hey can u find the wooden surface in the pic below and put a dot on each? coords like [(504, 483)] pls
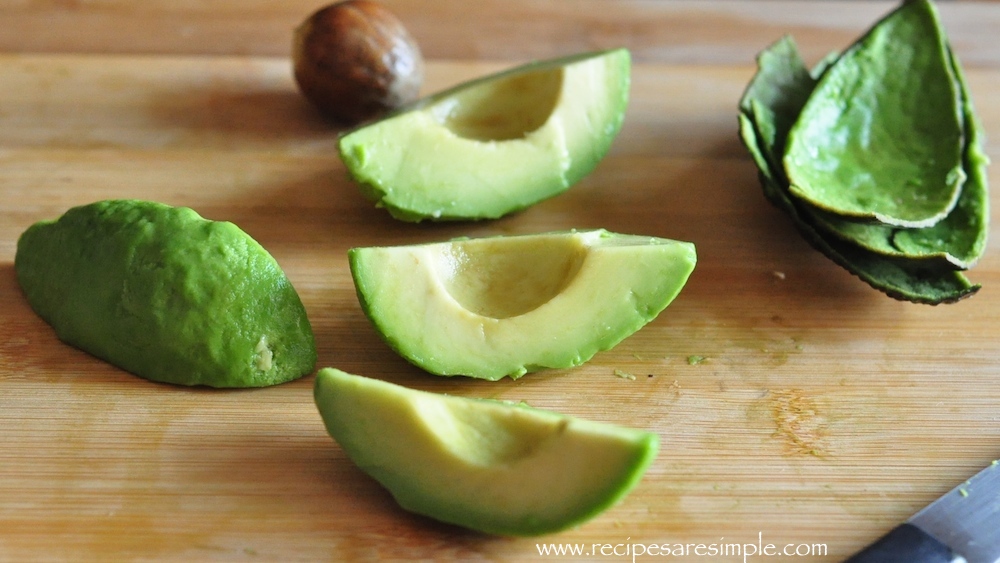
[(823, 412), (681, 31)]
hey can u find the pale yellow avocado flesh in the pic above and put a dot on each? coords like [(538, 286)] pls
[(506, 109), (508, 305), (495, 145), (491, 466), (501, 279)]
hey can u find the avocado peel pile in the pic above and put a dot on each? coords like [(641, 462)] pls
[(913, 259)]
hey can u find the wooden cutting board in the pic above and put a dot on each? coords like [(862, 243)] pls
[(820, 412)]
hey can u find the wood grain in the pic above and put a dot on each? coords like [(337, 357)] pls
[(823, 412), (670, 31)]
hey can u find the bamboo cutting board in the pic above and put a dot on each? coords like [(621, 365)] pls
[(820, 412)]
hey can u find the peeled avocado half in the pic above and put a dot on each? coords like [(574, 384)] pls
[(507, 305), (494, 145), (167, 295), (491, 466)]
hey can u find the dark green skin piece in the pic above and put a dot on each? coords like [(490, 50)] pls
[(780, 88), (958, 240), (961, 236), (899, 279), (167, 295), (881, 137), (783, 85)]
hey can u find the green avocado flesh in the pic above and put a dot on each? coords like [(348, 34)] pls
[(494, 145), (508, 305), (166, 295), (881, 135), (491, 466), (911, 263)]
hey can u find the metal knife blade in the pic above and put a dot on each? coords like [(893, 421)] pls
[(963, 525), (967, 518)]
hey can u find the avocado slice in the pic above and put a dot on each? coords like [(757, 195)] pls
[(494, 145), (165, 294), (881, 136), (768, 108), (507, 305), (491, 466)]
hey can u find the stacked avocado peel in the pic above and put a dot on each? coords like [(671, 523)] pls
[(876, 155)]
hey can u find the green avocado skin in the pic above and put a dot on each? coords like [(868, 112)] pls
[(166, 295), (769, 107), (881, 136)]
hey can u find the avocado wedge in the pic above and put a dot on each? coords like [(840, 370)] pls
[(508, 305), (493, 145), (495, 467)]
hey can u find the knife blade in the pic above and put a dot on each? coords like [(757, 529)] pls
[(962, 526)]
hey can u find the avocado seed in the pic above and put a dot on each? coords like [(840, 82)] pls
[(355, 60)]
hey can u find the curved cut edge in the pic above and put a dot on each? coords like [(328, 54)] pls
[(503, 278), (504, 437), (504, 109)]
